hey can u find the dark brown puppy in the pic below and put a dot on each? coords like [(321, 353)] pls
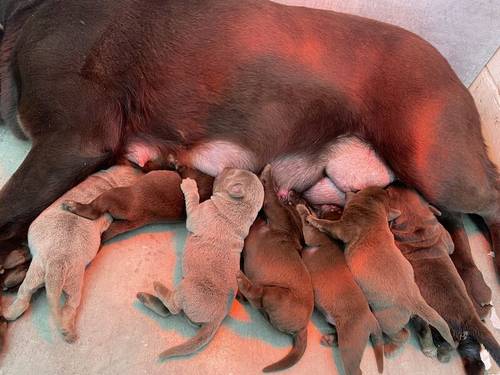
[(155, 198), (427, 245), (159, 73), (338, 297), (378, 266), (276, 280)]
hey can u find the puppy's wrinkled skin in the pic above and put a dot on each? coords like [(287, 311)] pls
[(62, 245), (218, 228), (339, 298), (154, 198), (276, 280), (378, 266), (427, 245)]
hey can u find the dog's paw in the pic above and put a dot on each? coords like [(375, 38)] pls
[(69, 206), (329, 340), (188, 185), (69, 335), (16, 258)]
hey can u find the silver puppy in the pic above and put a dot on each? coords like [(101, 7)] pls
[(211, 261)]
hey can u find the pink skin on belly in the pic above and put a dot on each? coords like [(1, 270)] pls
[(350, 164)]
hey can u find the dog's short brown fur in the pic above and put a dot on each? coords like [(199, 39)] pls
[(378, 266), (156, 197), (276, 280), (427, 245), (338, 297)]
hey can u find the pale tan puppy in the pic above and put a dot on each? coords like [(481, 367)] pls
[(382, 272), (218, 228), (62, 245)]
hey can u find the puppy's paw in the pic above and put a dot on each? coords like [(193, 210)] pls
[(69, 335), (188, 185), (69, 206), (16, 258), (14, 277), (329, 340)]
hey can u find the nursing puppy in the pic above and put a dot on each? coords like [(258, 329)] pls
[(218, 228), (276, 280), (426, 245), (62, 245), (339, 298), (379, 268), (156, 197)]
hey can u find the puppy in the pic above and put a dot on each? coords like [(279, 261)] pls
[(339, 298), (379, 268), (276, 280), (156, 197), (218, 228), (426, 245), (62, 245)]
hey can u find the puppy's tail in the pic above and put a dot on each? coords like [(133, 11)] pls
[(377, 340), (422, 309), (298, 349), (202, 338), (352, 338), (480, 332)]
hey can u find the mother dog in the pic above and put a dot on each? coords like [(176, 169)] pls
[(236, 83)]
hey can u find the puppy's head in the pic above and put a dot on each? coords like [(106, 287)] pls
[(374, 198), (417, 215), (239, 185)]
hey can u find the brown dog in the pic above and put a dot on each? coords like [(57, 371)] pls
[(339, 298), (156, 197), (382, 272), (427, 245), (276, 280)]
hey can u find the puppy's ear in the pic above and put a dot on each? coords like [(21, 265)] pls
[(434, 210), (393, 214), (236, 190)]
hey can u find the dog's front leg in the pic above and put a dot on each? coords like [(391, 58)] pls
[(52, 167)]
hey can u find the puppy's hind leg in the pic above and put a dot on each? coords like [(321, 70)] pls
[(166, 296), (424, 336), (35, 278), (251, 292), (73, 289), (444, 349), (153, 303), (396, 341)]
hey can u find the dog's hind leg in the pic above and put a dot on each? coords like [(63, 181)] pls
[(470, 352), (118, 227), (166, 296), (250, 291), (153, 303), (73, 289), (444, 349), (478, 290), (424, 336), (35, 278)]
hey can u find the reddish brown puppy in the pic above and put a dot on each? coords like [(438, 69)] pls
[(276, 280), (427, 245), (378, 266), (156, 197), (339, 298)]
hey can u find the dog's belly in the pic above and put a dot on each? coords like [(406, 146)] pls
[(349, 163)]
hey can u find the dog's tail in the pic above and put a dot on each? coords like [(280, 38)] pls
[(202, 338), (422, 309), (481, 333), (298, 349)]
